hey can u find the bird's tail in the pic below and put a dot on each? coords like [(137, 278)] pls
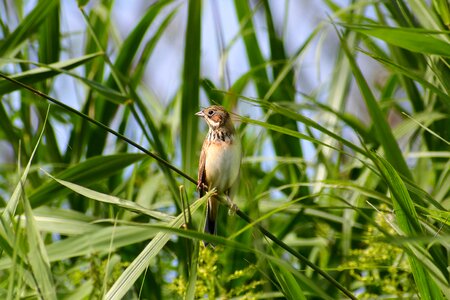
[(211, 217)]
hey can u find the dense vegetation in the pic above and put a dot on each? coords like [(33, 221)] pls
[(345, 181)]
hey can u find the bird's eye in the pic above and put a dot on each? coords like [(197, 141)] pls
[(210, 113)]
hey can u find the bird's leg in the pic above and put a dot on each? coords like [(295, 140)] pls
[(232, 207), (201, 186)]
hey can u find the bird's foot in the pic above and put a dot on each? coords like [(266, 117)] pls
[(232, 207), (201, 186)]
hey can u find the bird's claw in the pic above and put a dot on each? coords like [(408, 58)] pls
[(232, 209), (202, 187)]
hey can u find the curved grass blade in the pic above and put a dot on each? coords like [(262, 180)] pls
[(141, 262), (413, 39), (119, 73), (87, 172), (10, 208), (37, 256), (382, 130), (63, 221), (284, 145), (408, 221), (411, 74), (43, 72), (243, 247), (101, 240), (101, 125), (27, 27), (105, 198)]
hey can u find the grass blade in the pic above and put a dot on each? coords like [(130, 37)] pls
[(408, 221), (381, 127), (191, 84), (88, 172), (43, 72), (141, 262), (27, 27)]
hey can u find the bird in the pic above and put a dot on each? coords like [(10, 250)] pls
[(219, 162)]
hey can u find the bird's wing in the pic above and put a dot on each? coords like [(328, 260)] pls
[(201, 181)]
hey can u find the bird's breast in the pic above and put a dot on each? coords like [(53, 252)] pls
[(222, 164)]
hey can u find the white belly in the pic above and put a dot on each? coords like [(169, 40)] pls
[(222, 165)]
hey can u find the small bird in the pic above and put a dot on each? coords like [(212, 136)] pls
[(220, 161)]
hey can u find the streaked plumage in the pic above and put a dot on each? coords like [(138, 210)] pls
[(219, 160)]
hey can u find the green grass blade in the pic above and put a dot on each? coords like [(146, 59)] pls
[(27, 27), (101, 241), (284, 145), (191, 84), (414, 75), (119, 73), (105, 198), (382, 131), (408, 221), (49, 37), (254, 54), (37, 257), (299, 135), (413, 39), (13, 202), (141, 262), (88, 172), (150, 47), (63, 221), (290, 287), (43, 72)]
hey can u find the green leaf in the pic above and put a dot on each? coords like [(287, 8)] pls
[(63, 221), (27, 27), (49, 37), (408, 221), (43, 72), (191, 84), (119, 73), (85, 173), (290, 287), (413, 39), (100, 240), (38, 257), (141, 262), (412, 74), (126, 204), (10, 209), (382, 130)]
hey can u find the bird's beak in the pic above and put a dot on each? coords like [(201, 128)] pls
[(200, 114)]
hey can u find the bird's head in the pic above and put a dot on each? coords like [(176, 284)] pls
[(215, 116)]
